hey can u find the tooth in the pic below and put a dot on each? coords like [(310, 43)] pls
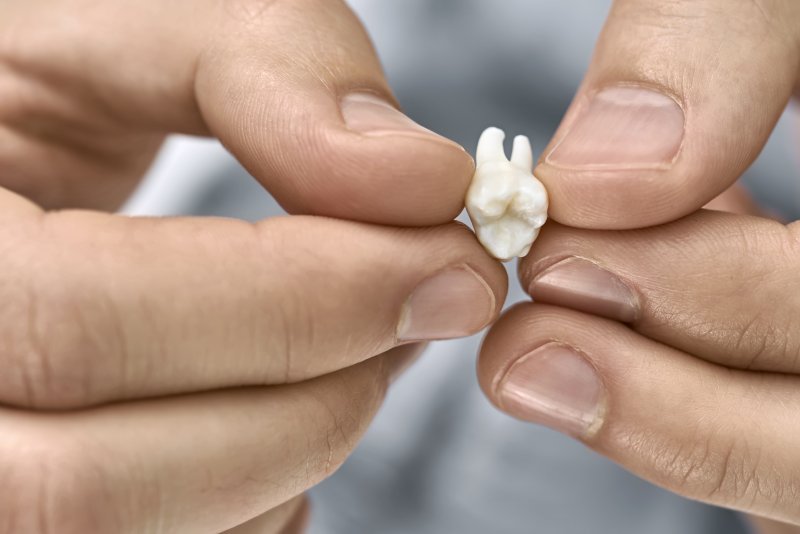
[(521, 153), (506, 203), (490, 147)]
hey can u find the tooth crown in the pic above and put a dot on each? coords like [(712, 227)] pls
[(506, 203)]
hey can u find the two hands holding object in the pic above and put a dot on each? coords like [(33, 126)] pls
[(135, 350)]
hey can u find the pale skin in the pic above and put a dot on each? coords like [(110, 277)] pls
[(199, 375)]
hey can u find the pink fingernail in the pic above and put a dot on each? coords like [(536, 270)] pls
[(624, 126), (453, 303), (371, 115), (582, 285), (554, 386)]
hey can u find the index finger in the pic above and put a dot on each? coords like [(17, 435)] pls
[(101, 308)]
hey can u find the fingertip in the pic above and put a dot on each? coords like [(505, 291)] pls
[(375, 115), (616, 161), (618, 199), (410, 177), (665, 119), (499, 348), (459, 242), (315, 122), (365, 161)]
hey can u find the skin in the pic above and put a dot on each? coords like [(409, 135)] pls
[(198, 375), (700, 389), (206, 389)]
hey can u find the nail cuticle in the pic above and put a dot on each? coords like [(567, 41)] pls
[(621, 127), (542, 265), (585, 285), (580, 416), (373, 115), (547, 265)]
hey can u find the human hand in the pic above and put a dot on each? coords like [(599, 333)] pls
[(699, 390), (696, 390), (198, 375), (679, 99), (292, 88), (188, 374)]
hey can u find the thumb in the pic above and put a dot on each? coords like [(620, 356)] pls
[(678, 101), (293, 88), (298, 95)]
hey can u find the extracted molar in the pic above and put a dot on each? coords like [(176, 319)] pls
[(506, 203)]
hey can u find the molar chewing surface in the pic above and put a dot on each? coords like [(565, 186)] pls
[(506, 203)]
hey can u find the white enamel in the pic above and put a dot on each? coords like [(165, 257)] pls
[(506, 203)]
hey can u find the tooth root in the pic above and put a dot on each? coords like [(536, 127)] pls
[(490, 147), (522, 155)]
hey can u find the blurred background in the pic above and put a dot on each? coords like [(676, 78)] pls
[(439, 458)]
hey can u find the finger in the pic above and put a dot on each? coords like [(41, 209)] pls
[(58, 175), (767, 526), (292, 88), (666, 117), (719, 286), (198, 463), (322, 130), (735, 199), (700, 430), (102, 308), (288, 518)]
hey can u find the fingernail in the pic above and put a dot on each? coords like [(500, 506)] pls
[(554, 386), (582, 285), (623, 126), (453, 303), (371, 115)]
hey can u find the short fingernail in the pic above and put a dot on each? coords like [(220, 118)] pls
[(623, 126), (554, 386), (371, 115), (582, 285), (453, 303)]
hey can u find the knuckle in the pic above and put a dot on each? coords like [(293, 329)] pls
[(297, 337), (767, 344), (48, 355), (295, 330), (740, 477), (54, 485), (683, 468), (732, 475), (26, 357), (726, 472), (346, 411), (49, 335), (330, 448), (661, 27)]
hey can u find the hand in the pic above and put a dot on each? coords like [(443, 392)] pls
[(699, 391), (198, 375), (188, 375), (291, 87), (672, 350), (678, 101)]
